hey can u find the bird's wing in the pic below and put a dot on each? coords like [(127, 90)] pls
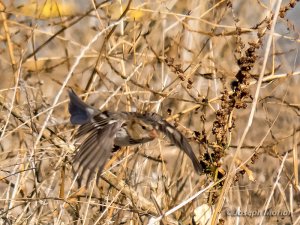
[(173, 134), (97, 121), (95, 151)]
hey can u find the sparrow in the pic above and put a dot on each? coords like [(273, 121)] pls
[(105, 129)]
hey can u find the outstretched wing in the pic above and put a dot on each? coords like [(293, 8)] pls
[(95, 151), (100, 130), (98, 121), (173, 134)]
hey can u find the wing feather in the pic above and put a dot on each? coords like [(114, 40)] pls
[(173, 134), (95, 151)]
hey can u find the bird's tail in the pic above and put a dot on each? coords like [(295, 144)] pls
[(81, 113)]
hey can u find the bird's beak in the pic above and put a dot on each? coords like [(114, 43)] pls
[(153, 133)]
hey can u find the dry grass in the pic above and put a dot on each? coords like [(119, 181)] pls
[(226, 73)]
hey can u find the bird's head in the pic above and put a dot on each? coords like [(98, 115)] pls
[(138, 129)]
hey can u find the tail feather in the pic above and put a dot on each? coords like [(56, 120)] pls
[(81, 113)]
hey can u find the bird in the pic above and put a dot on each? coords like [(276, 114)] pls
[(103, 130)]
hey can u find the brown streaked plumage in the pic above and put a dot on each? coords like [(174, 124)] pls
[(103, 130)]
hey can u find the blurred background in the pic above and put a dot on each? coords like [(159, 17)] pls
[(196, 63)]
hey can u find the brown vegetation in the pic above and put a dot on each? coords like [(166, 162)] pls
[(225, 73)]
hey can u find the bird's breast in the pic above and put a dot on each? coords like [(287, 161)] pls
[(122, 137)]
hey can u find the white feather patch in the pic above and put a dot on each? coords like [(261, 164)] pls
[(90, 111), (112, 121), (170, 129)]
